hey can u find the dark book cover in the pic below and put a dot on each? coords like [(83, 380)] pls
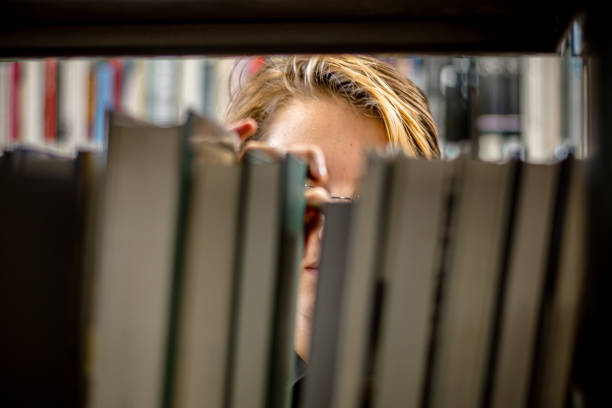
[(40, 281), (332, 275)]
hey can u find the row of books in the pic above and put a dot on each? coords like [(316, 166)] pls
[(164, 273), (460, 285), (59, 104)]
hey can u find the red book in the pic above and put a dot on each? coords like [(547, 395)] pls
[(14, 102), (91, 100), (50, 100), (117, 68)]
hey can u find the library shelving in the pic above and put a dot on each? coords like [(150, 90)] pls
[(37, 28)]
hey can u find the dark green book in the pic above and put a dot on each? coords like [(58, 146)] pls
[(291, 249)]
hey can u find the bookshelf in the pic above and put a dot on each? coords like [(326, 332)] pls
[(37, 28), (122, 27)]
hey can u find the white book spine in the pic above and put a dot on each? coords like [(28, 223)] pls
[(74, 94), (162, 91), (192, 86), (133, 98), (32, 103)]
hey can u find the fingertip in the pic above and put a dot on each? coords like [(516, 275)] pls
[(316, 197)]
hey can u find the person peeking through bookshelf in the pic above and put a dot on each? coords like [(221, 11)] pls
[(329, 111)]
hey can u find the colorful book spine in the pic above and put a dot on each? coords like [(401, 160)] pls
[(4, 104), (14, 101), (132, 97), (50, 108), (117, 66), (103, 100)]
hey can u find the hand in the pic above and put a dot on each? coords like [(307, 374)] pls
[(316, 194)]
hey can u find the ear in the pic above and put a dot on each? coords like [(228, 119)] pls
[(245, 128)]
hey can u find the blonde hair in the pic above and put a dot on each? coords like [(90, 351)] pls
[(369, 85)]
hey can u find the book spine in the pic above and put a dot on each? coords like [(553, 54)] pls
[(192, 74), (91, 100), (292, 243), (4, 103), (14, 101), (50, 107), (104, 100), (117, 67), (162, 94), (32, 103)]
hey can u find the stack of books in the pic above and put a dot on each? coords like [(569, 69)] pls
[(164, 271)]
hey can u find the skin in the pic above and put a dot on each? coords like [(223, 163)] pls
[(333, 139)]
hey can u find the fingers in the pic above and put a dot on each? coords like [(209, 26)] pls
[(312, 156), (316, 197), (272, 151)]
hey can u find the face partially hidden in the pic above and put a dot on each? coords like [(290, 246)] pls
[(344, 136)]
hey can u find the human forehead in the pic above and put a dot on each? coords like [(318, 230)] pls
[(327, 122), (343, 134)]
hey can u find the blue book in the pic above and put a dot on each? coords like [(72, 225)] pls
[(104, 99)]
